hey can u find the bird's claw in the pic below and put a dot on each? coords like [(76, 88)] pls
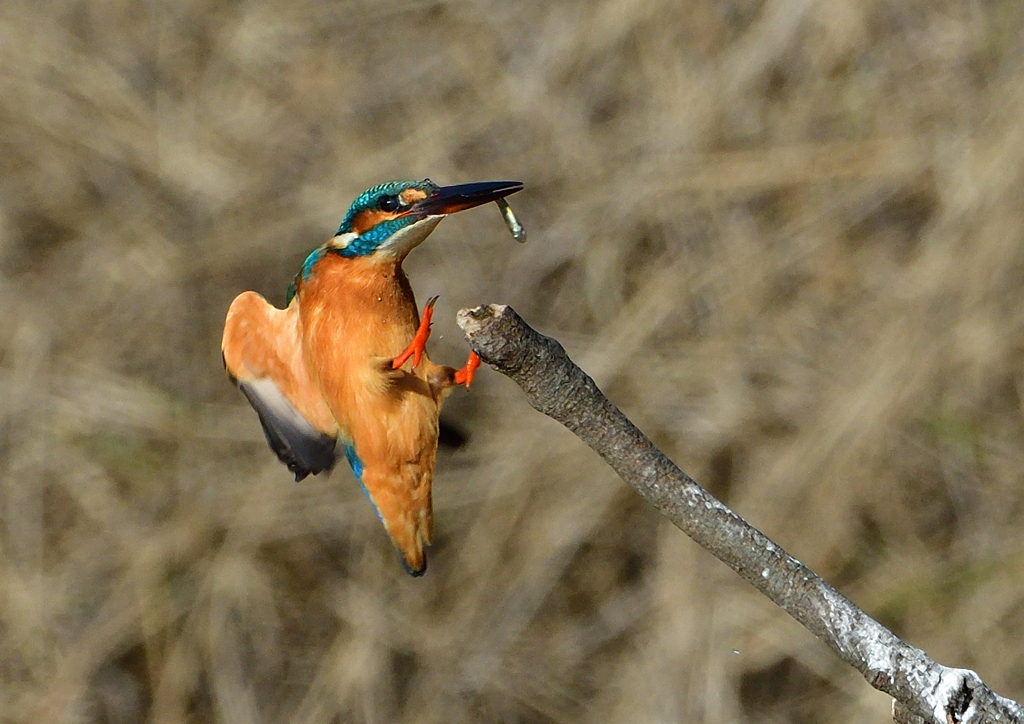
[(465, 374), (419, 341)]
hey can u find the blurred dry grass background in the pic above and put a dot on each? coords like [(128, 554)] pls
[(784, 236)]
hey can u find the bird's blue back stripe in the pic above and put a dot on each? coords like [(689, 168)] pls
[(357, 468), (353, 460), (311, 260)]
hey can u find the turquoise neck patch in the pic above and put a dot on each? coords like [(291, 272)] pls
[(307, 269), (372, 239)]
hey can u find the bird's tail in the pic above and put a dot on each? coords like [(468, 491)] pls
[(404, 506)]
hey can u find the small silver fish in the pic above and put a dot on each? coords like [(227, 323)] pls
[(514, 227)]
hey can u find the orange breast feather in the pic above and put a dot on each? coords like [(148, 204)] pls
[(357, 315)]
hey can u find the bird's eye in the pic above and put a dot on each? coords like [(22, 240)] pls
[(388, 203)]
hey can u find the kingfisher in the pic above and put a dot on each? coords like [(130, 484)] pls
[(342, 370)]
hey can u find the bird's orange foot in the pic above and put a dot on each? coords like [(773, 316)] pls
[(465, 375), (419, 341)]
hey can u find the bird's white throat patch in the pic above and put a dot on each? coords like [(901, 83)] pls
[(341, 241), (408, 238)]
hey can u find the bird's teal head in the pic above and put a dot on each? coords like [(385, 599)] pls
[(391, 219), (395, 217)]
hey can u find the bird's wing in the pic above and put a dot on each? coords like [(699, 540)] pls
[(263, 354)]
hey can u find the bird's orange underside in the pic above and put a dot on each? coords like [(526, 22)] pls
[(357, 315)]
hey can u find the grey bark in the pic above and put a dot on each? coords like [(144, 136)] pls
[(923, 690)]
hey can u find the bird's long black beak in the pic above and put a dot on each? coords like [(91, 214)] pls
[(449, 199)]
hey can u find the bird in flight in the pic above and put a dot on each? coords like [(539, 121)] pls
[(342, 370)]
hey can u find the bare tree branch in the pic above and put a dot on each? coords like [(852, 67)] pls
[(924, 691)]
